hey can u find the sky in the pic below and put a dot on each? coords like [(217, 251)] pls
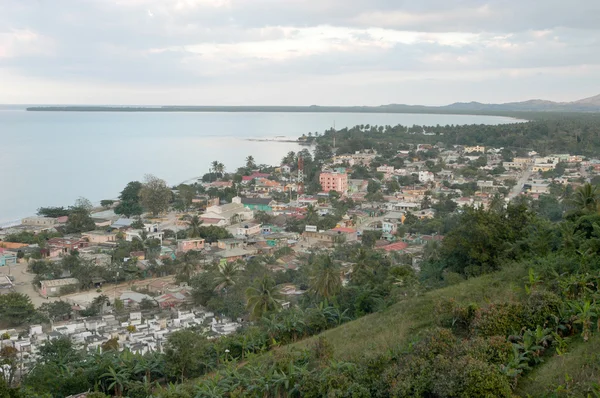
[(297, 52)]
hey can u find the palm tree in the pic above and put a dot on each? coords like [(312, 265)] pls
[(325, 279), (187, 268), (250, 162), (214, 166), (194, 224), (263, 297), (586, 198), (227, 276), (311, 215), (220, 168), (117, 380)]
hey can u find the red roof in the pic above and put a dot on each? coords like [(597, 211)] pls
[(344, 229), (247, 178), (395, 247)]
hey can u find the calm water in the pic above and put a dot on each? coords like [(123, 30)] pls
[(52, 158)]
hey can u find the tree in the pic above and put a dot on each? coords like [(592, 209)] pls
[(57, 311), (117, 379), (188, 354), (263, 217), (194, 227), (586, 198), (107, 203), (52, 212), (227, 276), (129, 200), (325, 277), (16, 308), (79, 217), (250, 163), (155, 195), (263, 297), (369, 238), (186, 195)]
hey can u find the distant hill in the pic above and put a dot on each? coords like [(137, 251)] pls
[(591, 104)]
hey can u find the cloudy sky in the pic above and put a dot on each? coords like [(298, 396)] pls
[(297, 52)]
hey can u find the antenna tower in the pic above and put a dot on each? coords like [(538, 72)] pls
[(300, 175)]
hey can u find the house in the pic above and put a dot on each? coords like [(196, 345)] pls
[(476, 148), (334, 182), (265, 185), (395, 247), (424, 214), (53, 287), (261, 204), (100, 236), (248, 229), (286, 169), (186, 245), (7, 258), (170, 300), (426, 176), (66, 245), (349, 234), (39, 221), (539, 188), (140, 233), (228, 214)]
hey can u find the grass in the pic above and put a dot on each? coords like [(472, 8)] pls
[(377, 333), (573, 373)]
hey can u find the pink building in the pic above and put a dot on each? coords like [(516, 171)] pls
[(334, 182), (190, 244)]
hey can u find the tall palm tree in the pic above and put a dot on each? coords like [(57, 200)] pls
[(188, 268), (311, 215), (117, 380), (263, 297), (194, 227), (214, 166), (227, 276), (586, 198), (250, 163), (325, 278)]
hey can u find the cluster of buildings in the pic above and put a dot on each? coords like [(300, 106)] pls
[(139, 333)]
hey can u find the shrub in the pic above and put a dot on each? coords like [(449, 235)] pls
[(468, 377), (450, 314), (542, 308), (494, 349), (499, 319)]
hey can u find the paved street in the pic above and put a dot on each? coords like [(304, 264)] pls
[(517, 188)]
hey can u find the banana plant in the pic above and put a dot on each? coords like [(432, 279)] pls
[(585, 313)]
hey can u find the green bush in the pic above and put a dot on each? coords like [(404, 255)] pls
[(469, 378), (450, 314), (499, 320), (542, 308)]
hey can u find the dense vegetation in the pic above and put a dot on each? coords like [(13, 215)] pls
[(546, 133)]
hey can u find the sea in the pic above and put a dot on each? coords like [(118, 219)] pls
[(53, 158)]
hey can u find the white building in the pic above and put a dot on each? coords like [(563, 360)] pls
[(426, 176), (477, 148), (231, 213)]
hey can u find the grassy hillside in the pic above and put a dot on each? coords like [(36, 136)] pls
[(573, 373), (376, 333)]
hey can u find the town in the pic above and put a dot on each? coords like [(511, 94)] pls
[(121, 275)]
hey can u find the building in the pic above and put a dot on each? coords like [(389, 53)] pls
[(334, 182), (53, 287), (476, 148), (139, 233), (260, 204), (190, 244), (228, 214), (248, 229), (100, 236), (7, 258), (66, 245), (39, 221), (426, 176)]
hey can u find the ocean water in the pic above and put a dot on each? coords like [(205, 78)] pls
[(52, 158)]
